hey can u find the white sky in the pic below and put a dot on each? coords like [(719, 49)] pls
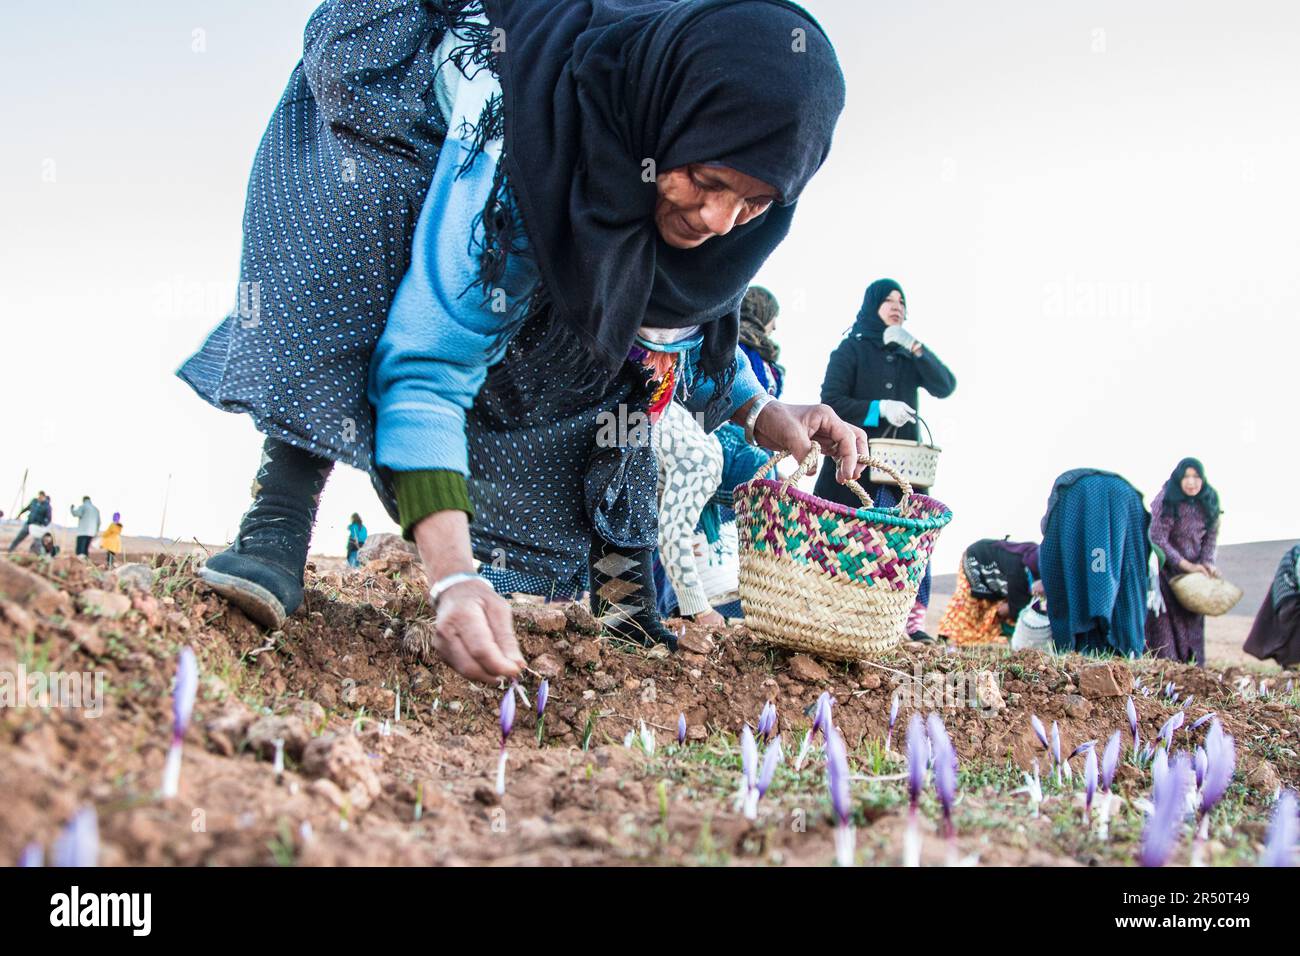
[(1092, 208)]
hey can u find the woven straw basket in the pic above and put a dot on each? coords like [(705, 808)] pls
[(914, 461), (1202, 594), (817, 576)]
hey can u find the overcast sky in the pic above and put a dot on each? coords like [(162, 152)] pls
[(1091, 206)]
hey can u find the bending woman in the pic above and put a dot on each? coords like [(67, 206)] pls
[(995, 580), (1184, 530), (547, 250), (1276, 631), (1094, 563)]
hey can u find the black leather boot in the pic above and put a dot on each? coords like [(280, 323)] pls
[(261, 573)]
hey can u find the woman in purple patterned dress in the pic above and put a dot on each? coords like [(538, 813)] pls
[(1185, 528)]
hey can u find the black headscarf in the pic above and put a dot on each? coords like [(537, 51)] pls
[(758, 309), (869, 323), (593, 88), (1208, 499)]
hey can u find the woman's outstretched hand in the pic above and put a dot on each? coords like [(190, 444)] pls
[(793, 429), (474, 631)]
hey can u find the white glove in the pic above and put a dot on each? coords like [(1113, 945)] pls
[(897, 414), (897, 335)]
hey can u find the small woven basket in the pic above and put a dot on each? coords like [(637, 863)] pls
[(918, 463), (834, 581), (1202, 594)]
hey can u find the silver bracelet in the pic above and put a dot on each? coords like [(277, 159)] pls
[(751, 419), (442, 584)]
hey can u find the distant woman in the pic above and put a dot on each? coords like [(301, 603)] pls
[(1185, 532), (356, 538), (872, 380), (1094, 563), (1276, 631), (995, 580)]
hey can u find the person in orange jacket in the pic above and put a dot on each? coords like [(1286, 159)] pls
[(111, 539)]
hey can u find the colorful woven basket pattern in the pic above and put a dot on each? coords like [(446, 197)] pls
[(821, 577)]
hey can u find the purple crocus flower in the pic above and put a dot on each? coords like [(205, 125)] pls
[(1220, 763), (187, 683), (748, 757), (1159, 767), (1160, 835), (1171, 726), (1040, 731), (507, 724), (1109, 761), (1200, 722), (543, 692), (1056, 744), (893, 716), (771, 760), (945, 769), (1199, 761), (822, 716), (1279, 850), (1132, 722), (33, 856), (78, 844), (837, 781), (917, 755), (507, 714), (1089, 782), (681, 729), (767, 721), (1082, 748)]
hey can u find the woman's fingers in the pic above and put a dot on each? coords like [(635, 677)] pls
[(451, 648), (502, 621)]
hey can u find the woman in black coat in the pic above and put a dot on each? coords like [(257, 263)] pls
[(872, 380)]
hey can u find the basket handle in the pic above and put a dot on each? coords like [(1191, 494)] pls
[(893, 430), (811, 459)]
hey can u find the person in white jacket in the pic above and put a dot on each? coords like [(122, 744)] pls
[(87, 516)]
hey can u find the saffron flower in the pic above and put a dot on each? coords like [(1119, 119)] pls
[(1082, 748), (1034, 787), (507, 724), (1132, 723), (837, 782), (681, 729), (1089, 784), (1201, 721), (78, 844), (749, 772), (1220, 762), (771, 760), (1170, 726), (1279, 850), (945, 778), (1040, 731), (821, 720), (543, 694), (187, 683), (1056, 751), (1160, 836), (33, 855), (918, 752), (1109, 762), (766, 721), (893, 716)]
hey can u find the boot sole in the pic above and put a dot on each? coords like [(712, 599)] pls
[(254, 600)]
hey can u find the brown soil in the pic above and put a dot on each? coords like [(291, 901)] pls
[(326, 683)]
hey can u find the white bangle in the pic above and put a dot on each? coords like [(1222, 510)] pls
[(760, 403), (442, 584)]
